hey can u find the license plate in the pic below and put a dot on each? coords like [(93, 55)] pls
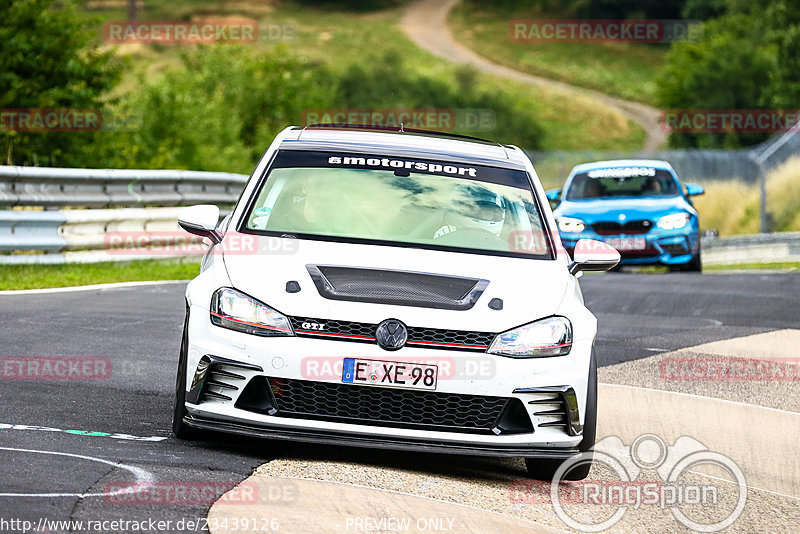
[(385, 373), (627, 243)]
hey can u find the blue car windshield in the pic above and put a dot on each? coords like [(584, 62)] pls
[(622, 182)]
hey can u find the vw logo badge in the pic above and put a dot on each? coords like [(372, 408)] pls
[(391, 334)]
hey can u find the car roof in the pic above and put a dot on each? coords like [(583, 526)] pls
[(404, 144), (612, 164)]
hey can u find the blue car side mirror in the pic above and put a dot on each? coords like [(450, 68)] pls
[(553, 194), (693, 190)]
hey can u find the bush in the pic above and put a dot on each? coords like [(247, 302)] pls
[(48, 60), (226, 104), (219, 111), (748, 58)]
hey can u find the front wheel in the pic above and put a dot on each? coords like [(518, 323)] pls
[(179, 428), (544, 469), (695, 265)]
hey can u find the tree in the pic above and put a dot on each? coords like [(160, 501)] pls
[(749, 58), (48, 59), (727, 69)]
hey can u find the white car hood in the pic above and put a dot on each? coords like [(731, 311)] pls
[(530, 289)]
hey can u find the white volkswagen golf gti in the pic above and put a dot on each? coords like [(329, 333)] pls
[(394, 289)]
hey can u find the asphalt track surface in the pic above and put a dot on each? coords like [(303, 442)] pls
[(138, 330)]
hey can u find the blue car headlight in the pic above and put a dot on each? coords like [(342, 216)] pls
[(570, 225), (237, 311), (547, 337), (673, 221)]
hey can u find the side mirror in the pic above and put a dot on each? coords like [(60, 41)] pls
[(201, 220), (693, 190), (553, 195), (593, 255)]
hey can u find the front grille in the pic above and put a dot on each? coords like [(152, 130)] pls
[(615, 228), (644, 253), (387, 407), (436, 338)]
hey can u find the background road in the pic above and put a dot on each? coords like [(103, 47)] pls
[(138, 329), (425, 23)]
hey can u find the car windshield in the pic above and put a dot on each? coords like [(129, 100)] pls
[(622, 182), (435, 205)]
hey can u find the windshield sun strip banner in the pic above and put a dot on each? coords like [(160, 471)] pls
[(622, 172), (401, 165)]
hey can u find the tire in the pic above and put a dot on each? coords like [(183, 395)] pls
[(695, 265), (179, 428), (544, 469)]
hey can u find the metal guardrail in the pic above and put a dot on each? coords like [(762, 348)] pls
[(87, 235), (94, 235), (137, 233), (756, 248), (99, 188)]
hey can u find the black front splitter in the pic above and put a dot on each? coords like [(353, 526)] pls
[(402, 444)]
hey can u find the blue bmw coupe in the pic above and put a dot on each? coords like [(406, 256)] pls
[(637, 206)]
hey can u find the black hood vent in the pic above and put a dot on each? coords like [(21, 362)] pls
[(403, 288)]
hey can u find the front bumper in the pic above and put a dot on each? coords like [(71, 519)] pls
[(529, 383), (664, 247)]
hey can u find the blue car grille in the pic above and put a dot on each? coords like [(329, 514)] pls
[(629, 227)]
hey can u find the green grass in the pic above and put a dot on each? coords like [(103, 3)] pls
[(783, 266), (778, 266), (627, 70), (79, 274), (340, 38)]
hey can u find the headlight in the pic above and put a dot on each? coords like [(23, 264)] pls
[(548, 337), (570, 225), (236, 311), (673, 221)]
